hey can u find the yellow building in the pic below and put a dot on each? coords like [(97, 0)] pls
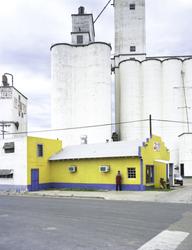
[(39, 150), (32, 163), (24, 163), (95, 166)]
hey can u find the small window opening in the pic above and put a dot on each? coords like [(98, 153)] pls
[(39, 150), (6, 173), (132, 6), (79, 39), (132, 48), (131, 173)]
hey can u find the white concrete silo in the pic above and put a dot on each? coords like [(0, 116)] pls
[(81, 84), (81, 93), (172, 104), (151, 74), (129, 43), (187, 69), (130, 101)]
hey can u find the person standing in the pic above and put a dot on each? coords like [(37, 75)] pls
[(118, 181)]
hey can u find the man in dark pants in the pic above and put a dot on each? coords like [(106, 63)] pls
[(118, 181)]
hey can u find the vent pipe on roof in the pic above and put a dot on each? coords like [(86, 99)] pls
[(84, 139)]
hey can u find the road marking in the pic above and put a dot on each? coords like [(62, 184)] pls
[(165, 240)]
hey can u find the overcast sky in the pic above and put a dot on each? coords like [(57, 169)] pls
[(29, 27)]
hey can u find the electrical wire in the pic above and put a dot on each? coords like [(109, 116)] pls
[(96, 126), (74, 128), (102, 11)]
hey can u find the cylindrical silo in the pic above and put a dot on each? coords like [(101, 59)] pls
[(130, 99), (172, 104), (151, 75), (81, 91), (187, 69)]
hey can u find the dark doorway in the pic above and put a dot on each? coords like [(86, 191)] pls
[(182, 170)]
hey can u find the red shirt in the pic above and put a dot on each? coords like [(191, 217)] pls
[(118, 179)]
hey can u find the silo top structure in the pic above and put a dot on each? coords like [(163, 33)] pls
[(130, 29), (82, 27), (81, 85)]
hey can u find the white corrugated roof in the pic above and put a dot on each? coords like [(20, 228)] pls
[(104, 150)]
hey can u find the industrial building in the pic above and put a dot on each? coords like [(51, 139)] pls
[(157, 86), (13, 115), (81, 103)]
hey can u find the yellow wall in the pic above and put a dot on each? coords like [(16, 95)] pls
[(160, 172), (88, 171), (50, 147), (149, 156)]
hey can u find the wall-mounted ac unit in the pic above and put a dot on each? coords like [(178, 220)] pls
[(104, 169), (72, 169)]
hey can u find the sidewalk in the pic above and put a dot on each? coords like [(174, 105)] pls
[(104, 195), (179, 194)]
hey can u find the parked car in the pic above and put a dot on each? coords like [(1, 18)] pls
[(178, 179)]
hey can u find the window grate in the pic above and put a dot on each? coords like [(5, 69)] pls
[(131, 173)]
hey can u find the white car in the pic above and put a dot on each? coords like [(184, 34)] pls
[(178, 179)]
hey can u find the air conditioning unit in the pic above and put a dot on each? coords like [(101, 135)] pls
[(72, 169), (104, 169)]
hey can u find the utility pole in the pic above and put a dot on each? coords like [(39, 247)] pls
[(150, 126)]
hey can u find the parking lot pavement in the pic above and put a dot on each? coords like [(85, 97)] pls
[(178, 194)]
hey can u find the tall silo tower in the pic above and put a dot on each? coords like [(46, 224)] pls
[(129, 29), (129, 46), (81, 84)]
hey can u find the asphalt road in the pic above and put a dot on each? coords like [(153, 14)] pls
[(41, 223)]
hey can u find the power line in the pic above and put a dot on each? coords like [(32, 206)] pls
[(102, 11), (172, 121), (74, 128), (96, 126)]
